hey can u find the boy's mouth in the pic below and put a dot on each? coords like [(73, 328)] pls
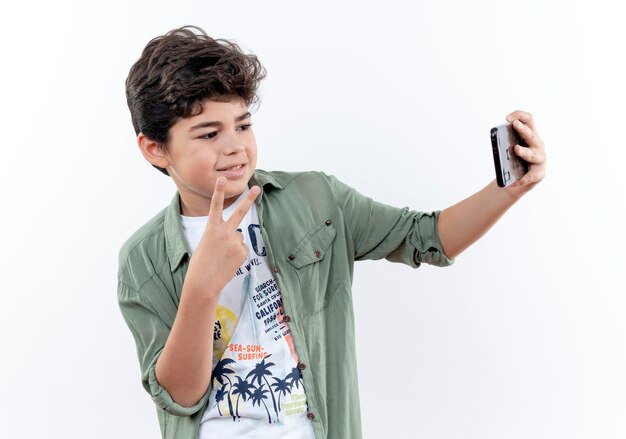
[(233, 167), (234, 171)]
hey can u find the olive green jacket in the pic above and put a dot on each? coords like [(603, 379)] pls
[(314, 228)]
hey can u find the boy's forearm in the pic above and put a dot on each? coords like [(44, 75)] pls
[(464, 223), (185, 364)]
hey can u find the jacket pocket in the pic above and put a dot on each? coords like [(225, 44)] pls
[(312, 260)]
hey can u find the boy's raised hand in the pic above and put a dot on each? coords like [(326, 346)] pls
[(221, 250), (534, 153)]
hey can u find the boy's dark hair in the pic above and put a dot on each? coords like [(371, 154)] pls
[(180, 69)]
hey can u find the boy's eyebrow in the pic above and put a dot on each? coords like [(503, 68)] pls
[(218, 123)]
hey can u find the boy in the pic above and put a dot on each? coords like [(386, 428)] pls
[(238, 294)]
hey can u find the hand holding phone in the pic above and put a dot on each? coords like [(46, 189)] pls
[(509, 166)]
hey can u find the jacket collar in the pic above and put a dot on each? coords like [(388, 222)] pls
[(175, 243)]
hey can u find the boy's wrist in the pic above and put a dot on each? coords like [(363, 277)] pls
[(204, 293), (504, 196)]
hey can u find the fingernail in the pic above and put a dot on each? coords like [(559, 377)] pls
[(221, 180), (509, 117), (255, 190)]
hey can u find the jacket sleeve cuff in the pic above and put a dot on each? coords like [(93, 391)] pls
[(163, 399), (427, 243)]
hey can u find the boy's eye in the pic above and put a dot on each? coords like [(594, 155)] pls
[(209, 135), (214, 133)]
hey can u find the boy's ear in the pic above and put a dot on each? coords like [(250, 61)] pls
[(151, 151)]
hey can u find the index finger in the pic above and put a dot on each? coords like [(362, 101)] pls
[(217, 201), (529, 136), (243, 207), (524, 116)]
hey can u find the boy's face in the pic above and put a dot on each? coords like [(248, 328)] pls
[(207, 146)]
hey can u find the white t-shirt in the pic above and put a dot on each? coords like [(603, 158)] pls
[(257, 386)]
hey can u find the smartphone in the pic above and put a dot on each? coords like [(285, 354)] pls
[(509, 166)]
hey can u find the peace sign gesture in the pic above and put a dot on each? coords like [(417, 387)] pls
[(221, 250)]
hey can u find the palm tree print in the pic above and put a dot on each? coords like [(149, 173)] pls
[(219, 397), (258, 373), (281, 387), (257, 398), (295, 376), (242, 387), (220, 373)]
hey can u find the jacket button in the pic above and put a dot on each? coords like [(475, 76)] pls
[(317, 254), (291, 257), (301, 366), (276, 269), (328, 222), (286, 318), (310, 415)]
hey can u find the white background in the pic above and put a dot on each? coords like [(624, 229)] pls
[(524, 337)]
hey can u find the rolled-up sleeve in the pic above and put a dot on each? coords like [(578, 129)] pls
[(383, 231), (150, 333)]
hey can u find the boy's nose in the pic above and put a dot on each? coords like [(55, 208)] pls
[(234, 148), (233, 145)]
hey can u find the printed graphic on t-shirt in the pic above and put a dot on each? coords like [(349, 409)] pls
[(279, 392), (258, 388), (233, 390), (223, 329)]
